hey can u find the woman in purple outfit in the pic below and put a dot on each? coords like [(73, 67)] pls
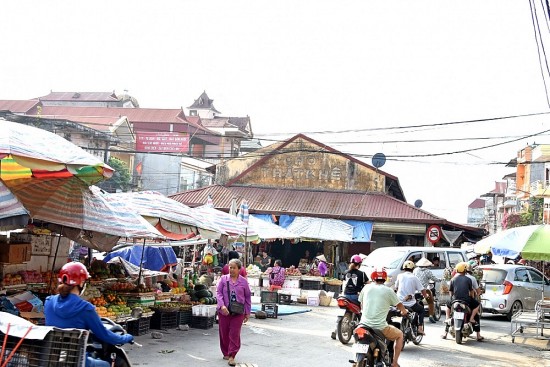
[(232, 287)]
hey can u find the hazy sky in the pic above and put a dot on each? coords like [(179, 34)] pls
[(338, 71)]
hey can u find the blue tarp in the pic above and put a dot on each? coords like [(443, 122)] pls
[(286, 220), (154, 258)]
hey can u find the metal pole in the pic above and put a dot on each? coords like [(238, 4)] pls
[(55, 257), (141, 262)]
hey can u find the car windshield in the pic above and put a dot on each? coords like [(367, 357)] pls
[(385, 258), (493, 276)]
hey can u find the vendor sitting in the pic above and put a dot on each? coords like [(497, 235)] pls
[(276, 276), (323, 265)]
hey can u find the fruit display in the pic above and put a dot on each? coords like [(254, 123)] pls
[(122, 286), (99, 270), (293, 271), (253, 270)]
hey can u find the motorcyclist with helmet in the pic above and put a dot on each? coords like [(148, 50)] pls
[(376, 300), (68, 310), (462, 288), (407, 284), (425, 275), (354, 279)]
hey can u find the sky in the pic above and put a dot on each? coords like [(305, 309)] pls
[(406, 79)]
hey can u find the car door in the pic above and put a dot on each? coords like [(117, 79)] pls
[(539, 283), (523, 289)]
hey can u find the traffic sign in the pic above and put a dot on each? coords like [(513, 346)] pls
[(433, 234)]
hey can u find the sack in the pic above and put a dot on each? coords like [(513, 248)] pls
[(236, 308)]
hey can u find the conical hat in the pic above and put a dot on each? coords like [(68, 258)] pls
[(424, 262), (322, 258)]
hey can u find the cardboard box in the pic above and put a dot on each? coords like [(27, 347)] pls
[(15, 253)]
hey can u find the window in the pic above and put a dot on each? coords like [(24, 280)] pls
[(437, 255), (522, 275), (415, 256), (536, 277), (455, 258)]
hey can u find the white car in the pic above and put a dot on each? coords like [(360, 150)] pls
[(512, 288)]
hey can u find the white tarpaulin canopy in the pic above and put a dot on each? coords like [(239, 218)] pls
[(324, 229), (269, 230)]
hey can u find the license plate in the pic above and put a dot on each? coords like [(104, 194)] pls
[(360, 348), (459, 315)]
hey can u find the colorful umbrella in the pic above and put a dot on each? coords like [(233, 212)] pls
[(223, 222), (72, 203), (531, 242), (160, 210), (28, 152)]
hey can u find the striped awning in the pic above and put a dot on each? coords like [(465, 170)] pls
[(224, 222)]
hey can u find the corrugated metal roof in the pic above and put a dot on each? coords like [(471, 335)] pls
[(17, 106), (81, 96), (315, 203)]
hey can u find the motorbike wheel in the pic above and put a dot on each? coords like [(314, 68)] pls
[(344, 329), (437, 311), (458, 336)]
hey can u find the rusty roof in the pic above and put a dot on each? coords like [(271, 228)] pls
[(18, 106), (315, 203), (81, 96)]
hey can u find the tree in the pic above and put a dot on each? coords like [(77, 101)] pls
[(526, 218), (121, 179)]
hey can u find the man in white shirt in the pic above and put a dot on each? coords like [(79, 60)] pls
[(407, 284)]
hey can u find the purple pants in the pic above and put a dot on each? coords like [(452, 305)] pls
[(230, 334)]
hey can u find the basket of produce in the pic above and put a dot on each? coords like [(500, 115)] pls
[(333, 281)]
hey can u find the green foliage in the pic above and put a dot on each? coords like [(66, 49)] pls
[(121, 179), (533, 215)]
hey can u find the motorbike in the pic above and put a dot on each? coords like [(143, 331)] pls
[(114, 354), (409, 324), (459, 328), (437, 305), (347, 322), (371, 348)]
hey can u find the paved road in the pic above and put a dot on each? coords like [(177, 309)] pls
[(304, 340)]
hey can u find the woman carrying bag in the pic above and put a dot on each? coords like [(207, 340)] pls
[(234, 303)]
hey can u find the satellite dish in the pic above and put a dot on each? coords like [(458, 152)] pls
[(378, 160), (418, 203)]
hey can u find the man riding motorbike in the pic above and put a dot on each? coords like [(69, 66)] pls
[(67, 310), (425, 275), (407, 285), (376, 300), (462, 288)]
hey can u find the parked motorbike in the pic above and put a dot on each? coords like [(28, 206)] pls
[(437, 305), (114, 354), (459, 328), (347, 322), (371, 348)]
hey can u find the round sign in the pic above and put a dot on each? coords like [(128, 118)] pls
[(378, 160), (433, 233)]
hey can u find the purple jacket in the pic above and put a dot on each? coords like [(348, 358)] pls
[(241, 289)]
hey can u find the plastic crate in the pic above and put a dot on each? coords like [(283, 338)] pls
[(271, 309), (164, 320), (313, 285), (184, 317), (139, 327), (60, 348), (285, 299), (269, 297), (202, 322), (333, 288)]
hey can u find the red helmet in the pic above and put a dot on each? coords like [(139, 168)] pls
[(73, 274), (379, 275), (356, 259)]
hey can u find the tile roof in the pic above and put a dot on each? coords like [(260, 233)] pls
[(315, 203), (18, 106), (81, 96), (477, 203)]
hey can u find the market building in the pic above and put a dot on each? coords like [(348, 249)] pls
[(303, 178)]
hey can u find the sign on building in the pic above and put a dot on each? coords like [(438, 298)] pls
[(162, 142)]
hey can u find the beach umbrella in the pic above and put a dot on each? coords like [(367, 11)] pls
[(531, 242)]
